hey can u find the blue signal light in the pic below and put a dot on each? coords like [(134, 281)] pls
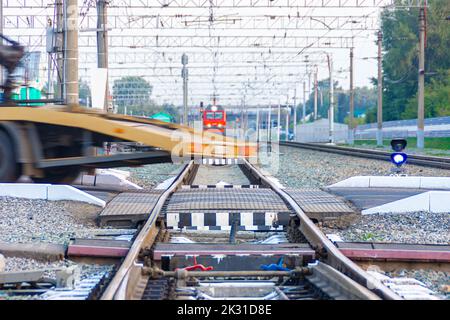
[(399, 158)]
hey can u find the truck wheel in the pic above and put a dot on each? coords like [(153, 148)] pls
[(9, 168)]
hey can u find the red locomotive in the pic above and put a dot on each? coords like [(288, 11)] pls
[(214, 119)]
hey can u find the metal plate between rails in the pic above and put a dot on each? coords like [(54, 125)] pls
[(226, 199), (132, 203), (318, 201)]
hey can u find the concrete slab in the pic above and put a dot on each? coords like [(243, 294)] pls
[(365, 198), (420, 202), (47, 192), (24, 190), (115, 179), (87, 180), (394, 182), (408, 182), (435, 183), (353, 182), (439, 201), (125, 174), (63, 192), (431, 201)]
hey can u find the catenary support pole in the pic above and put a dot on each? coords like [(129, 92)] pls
[(279, 121), (351, 124), (102, 45), (331, 110), (71, 52), (421, 86), (380, 94), (60, 49), (315, 93), (1, 39), (295, 114), (185, 75)]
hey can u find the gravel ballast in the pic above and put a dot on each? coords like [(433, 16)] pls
[(149, 176), (416, 228), (302, 168), (230, 174), (24, 220)]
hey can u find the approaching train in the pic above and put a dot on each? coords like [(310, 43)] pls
[(214, 119)]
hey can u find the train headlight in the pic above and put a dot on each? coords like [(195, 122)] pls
[(219, 125), (209, 125), (398, 158), (214, 108)]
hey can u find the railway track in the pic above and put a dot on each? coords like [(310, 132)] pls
[(427, 161), (161, 266)]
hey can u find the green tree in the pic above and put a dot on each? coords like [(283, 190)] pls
[(84, 93), (133, 93), (400, 61)]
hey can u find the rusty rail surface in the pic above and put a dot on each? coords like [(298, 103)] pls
[(117, 287)]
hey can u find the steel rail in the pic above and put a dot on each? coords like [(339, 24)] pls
[(427, 161), (117, 287), (325, 248)]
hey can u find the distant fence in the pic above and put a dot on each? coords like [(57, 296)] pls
[(319, 132), (401, 134), (441, 129)]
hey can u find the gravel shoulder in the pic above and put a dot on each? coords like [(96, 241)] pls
[(149, 176), (24, 220), (418, 227), (302, 168), (232, 174)]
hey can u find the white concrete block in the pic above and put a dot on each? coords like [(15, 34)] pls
[(88, 180), (439, 201), (114, 179), (107, 180), (63, 192), (435, 183), (24, 190), (130, 185), (2, 263), (353, 182), (394, 182), (419, 202), (120, 173)]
